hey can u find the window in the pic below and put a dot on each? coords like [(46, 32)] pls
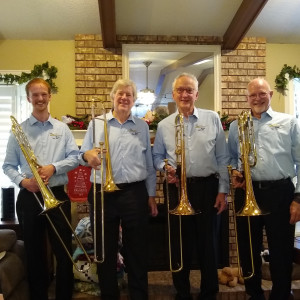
[(13, 101), (292, 106), (296, 83), (292, 98), (296, 93)]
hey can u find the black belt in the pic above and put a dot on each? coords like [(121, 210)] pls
[(123, 186), (57, 188), (267, 184), (199, 179)]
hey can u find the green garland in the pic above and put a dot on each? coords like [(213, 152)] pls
[(38, 71), (281, 81)]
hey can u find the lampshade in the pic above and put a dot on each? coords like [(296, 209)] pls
[(146, 96)]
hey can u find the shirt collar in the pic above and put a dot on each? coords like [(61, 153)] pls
[(269, 112), (110, 116), (33, 120), (195, 113)]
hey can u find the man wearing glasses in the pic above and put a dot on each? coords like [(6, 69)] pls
[(206, 160), (277, 141)]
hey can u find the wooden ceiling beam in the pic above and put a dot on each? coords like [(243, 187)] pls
[(241, 22), (108, 23)]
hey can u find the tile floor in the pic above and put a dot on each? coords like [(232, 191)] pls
[(161, 288)]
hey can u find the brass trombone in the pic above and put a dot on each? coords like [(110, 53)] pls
[(107, 186), (50, 202), (184, 207), (248, 160)]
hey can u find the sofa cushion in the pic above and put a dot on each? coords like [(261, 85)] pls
[(11, 273), (19, 249), (8, 238), (267, 276)]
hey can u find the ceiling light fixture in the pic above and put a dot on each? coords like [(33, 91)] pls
[(146, 96)]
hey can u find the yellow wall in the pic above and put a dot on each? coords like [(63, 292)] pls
[(206, 93), (23, 55), (276, 56)]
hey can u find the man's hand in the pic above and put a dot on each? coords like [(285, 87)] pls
[(171, 174), (93, 158), (30, 184), (238, 180), (294, 212), (152, 206), (221, 202), (46, 172)]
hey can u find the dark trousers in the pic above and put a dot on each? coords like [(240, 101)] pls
[(35, 227), (198, 234), (274, 200), (128, 208)]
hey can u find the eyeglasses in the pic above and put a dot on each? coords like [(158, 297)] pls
[(188, 90), (259, 95)]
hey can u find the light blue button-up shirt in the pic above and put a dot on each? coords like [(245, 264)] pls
[(277, 141), (129, 148), (205, 146), (52, 143)]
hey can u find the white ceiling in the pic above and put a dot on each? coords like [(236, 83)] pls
[(279, 20)]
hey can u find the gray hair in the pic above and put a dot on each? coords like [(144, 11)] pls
[(123, 83), (192, 76)]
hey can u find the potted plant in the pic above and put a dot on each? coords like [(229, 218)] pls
[(152, 118), (281, 81)]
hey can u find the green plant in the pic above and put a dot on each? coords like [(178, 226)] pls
[(43, 70), (281, 81), (152, 118)]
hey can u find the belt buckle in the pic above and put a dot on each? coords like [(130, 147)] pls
[(264, 185)]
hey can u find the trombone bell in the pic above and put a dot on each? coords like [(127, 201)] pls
[(183, 209), (110, 186), (250, 209), (50, 204)]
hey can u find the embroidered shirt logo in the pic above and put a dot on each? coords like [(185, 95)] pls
[(55, 136), (275, 126), (133, 132), (199, 127)]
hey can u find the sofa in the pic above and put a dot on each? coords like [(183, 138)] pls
[(13, 283)]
